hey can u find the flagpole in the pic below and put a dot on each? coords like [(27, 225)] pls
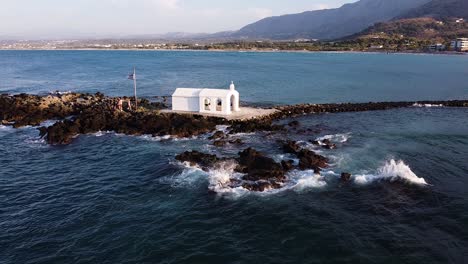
[(135, 86)]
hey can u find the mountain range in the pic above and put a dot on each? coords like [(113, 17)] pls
[(354, 20), (329, 23), (437, 20), (348, 20), (421, 28), (440, 9)]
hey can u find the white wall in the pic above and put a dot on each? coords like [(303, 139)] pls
[(190, 104), (225, 110)]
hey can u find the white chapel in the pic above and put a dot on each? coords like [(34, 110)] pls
[(214, 101)]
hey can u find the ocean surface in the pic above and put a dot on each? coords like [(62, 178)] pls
[(111, 198)]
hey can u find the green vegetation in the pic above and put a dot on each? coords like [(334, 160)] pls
[(419, 28)]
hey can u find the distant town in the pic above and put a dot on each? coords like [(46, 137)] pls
[(403, 45), (374, 44)]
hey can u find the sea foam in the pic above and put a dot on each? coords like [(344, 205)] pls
[(220, 178), (5, 128), (392, 170), (303, 180), (427, 105), (340, 138)]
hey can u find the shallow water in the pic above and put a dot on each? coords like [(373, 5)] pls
[(109, 198)]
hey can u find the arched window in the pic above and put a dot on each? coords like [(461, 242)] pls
[(234, 102), (219, 105), (233, 99), (207, 104)]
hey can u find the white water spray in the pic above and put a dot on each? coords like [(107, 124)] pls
[(392, 170)]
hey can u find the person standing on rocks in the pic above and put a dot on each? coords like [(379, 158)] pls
[(120, 104), (129, 103)]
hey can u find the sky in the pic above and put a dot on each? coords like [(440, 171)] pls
[(113, 18)]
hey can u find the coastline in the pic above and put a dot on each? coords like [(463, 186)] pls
[(451, 53)]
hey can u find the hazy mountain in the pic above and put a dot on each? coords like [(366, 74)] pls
[(440, 9), (328, 23)]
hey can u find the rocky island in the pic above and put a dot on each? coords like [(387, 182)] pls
[(77, 114), (89, 113)]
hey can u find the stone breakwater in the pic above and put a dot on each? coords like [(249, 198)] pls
[(303, 109), (90, 113)]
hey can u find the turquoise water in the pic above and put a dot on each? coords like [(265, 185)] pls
[(280, 78), (109, 198)]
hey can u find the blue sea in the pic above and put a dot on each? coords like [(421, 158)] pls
[(112, 198)]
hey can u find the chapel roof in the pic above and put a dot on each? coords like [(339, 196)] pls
[(215, 92), (201, 92), (187, 92)]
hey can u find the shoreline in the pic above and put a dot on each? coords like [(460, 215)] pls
[(450, 53)]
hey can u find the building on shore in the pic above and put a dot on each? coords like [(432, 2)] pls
[(459, 44), (203, 100), (376, 47), (436, 47)]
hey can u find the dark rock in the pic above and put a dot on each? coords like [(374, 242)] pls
[(236, 142), (254, 125), (217, 135), (42, 131), (315, 142), (260, 186), (291, 147), (62, 132), (294, 123), (310, 160), (287, 165), (220, 143), (262, 173), (205, 161), (259, 167), (98, 112), (329, 146), (345, 177)]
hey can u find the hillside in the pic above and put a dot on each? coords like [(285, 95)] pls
[(329, 23), (440, 9), (424, 28)]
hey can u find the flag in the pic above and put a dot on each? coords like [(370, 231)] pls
[(131, 76)]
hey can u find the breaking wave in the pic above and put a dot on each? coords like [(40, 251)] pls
[(427, 105), (302, 180), (57, 92), (340, 138), (164, 138), (36, 141), (223, 128), (223, 180), (393, 171), (221, 177), (48, 123), (102, 133), (6, 128)]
